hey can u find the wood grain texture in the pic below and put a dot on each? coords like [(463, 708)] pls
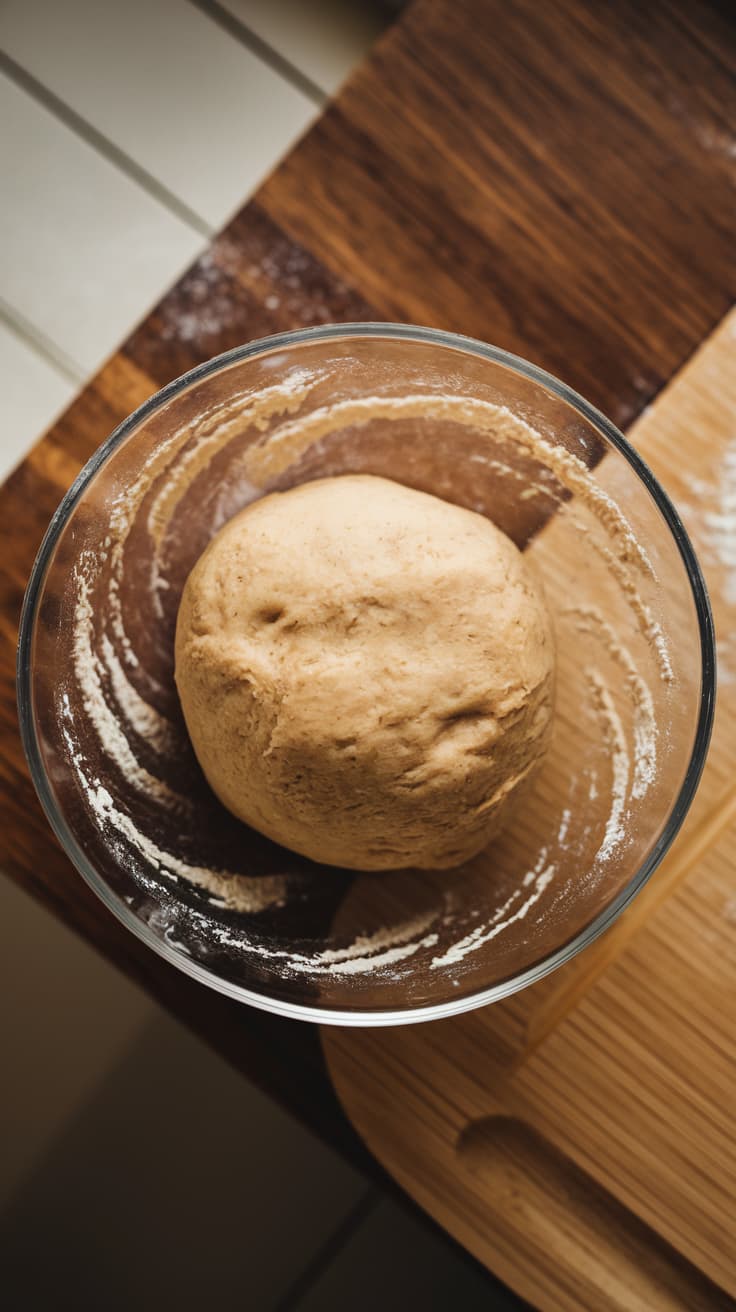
[(548, 177), (556, 179), (579, 1138)]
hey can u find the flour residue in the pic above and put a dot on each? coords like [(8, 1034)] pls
[(117, 712), (589, 619), (716, 516), (624, 555), (240, 415), (564, 827), (237, 892), (292, 439), (720, 523), (712, 521), (107, 725), (649, 627), (537, 880), (367, 952), (615, 738), (143, 718), (118, 690)]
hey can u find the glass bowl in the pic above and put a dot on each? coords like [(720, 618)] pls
[(105, 739)]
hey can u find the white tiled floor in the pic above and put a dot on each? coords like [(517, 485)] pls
[(130, 132), (298, 32), (168, 87), (33, 392), (84, 249)]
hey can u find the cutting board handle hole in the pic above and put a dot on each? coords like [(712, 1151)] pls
[(545, 1202)]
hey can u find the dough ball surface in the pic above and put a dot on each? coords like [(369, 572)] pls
[(366, 673)]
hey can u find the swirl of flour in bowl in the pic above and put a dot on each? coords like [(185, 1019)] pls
[(589, 619), (116, 710), (113, 678)]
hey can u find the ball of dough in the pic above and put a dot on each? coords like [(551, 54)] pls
[(366, 672)]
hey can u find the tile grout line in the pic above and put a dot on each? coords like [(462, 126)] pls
[(218, 14), (114, 155), (333, 1245), (53, 355)]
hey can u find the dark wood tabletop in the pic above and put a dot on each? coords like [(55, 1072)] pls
[(558, 179)]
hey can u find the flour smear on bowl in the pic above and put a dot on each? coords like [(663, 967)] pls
[(113, 708)]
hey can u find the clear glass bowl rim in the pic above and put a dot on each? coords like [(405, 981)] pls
[(433, 337)]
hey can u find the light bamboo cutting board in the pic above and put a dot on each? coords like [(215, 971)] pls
[(580, 1138)]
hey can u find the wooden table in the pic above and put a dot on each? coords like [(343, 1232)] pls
[(557, 179)]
